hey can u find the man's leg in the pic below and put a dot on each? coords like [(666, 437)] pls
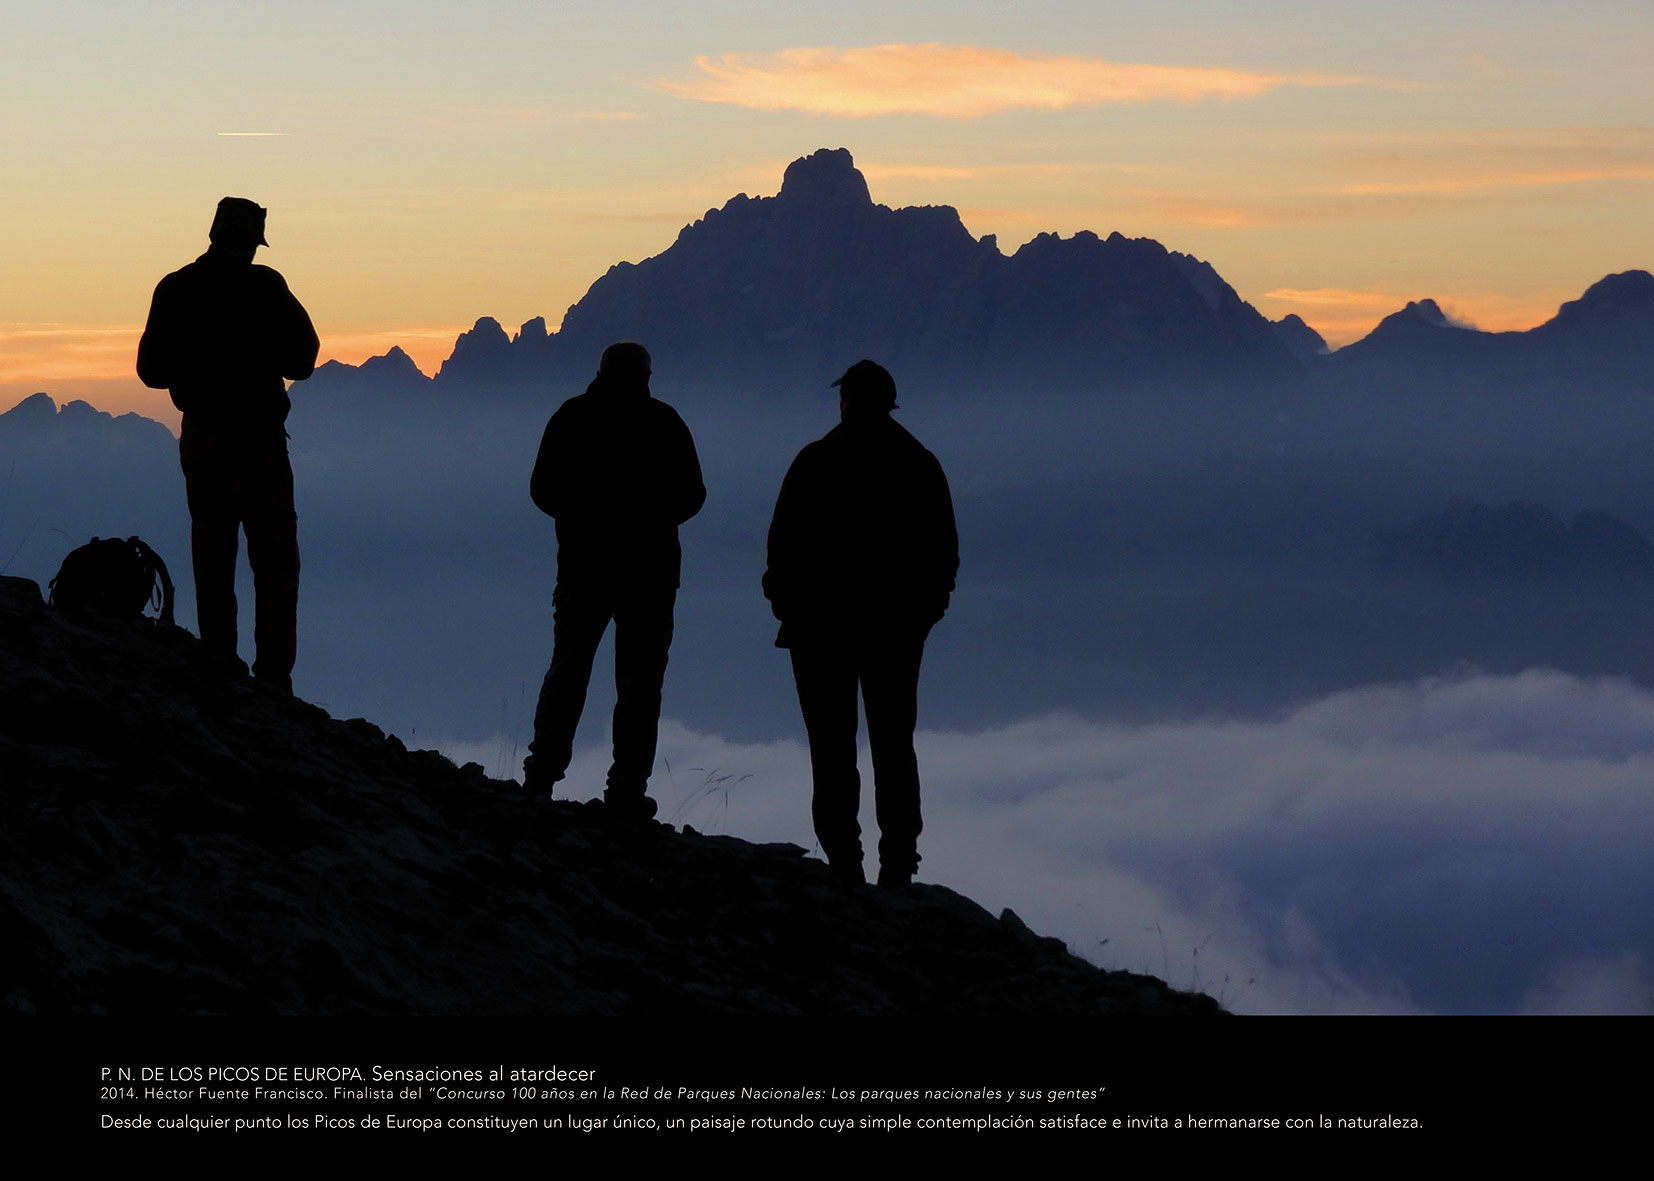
[(273, 552), (643, 636), (215, 522), (890, 689), (579, 618), (826, 683)]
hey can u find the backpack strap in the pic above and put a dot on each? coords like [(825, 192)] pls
[(160, 567)]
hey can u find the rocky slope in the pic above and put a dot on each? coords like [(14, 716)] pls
[(173, 842)]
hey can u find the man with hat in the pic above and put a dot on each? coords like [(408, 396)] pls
[(862, 557), (221, 337), (617, 470)]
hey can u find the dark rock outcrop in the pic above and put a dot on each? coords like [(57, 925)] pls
[(174, 842)]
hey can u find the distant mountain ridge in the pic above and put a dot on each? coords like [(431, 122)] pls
[(1515, 544), (771, 293), (1606, 337)]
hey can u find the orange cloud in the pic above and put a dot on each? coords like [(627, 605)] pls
[(959, 81), (53, 352), (1337, 297)]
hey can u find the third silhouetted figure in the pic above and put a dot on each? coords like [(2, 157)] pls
[(617, 469), (862, 557), (221, 336)]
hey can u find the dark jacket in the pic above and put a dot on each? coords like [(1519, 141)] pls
[(221, 336), (863, 541), (617, 469)]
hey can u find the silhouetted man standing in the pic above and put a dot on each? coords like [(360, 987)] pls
[(862, 557), (221, 336), (618, 470)]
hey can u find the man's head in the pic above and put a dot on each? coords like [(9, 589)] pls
[(238, 226), (625, 363), (866, 388)]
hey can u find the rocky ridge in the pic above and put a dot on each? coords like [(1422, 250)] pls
[(178, 843), (765, 294)]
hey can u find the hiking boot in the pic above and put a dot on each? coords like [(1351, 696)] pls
[(639, 809), (536, 781), (279, 683), (848, 873), (891, 878), (225, 664)]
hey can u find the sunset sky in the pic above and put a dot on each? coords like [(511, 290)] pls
[(425, 164)]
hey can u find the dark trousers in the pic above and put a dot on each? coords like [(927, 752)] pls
[(827, 674), (234, 488), (581, 613)]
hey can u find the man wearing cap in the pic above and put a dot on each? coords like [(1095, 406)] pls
[(221, 337), (862, 557), (617, 470)]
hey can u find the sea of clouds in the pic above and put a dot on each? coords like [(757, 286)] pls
[(1471, 844)]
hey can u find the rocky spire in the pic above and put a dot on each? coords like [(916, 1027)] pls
[(825, 177)]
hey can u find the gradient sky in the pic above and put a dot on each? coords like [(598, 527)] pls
[(426, 164)]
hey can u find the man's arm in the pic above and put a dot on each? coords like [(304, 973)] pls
[(788, 537), (943, 532), (687, 487), (549, 483), (157, 347), (297, 345)]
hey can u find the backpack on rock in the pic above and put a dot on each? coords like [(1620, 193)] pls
[(113, 576)]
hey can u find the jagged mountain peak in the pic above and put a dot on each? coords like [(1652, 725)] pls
[(1299, 337), (393, 364), (485, 349), (828, 176), (1628, 292), (1430, 312), (36, 408), (768, 291), (1421, 317), (39, 418)]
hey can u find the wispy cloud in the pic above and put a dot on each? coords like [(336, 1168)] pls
[(56, 351), (1337, 298), (962, 81)]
